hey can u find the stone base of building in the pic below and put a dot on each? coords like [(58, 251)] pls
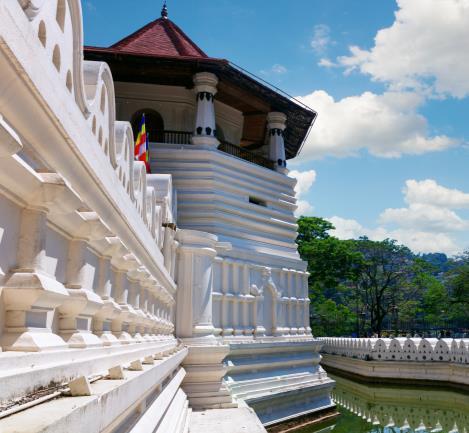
[(280, 380)]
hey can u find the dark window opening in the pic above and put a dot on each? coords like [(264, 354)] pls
[(154, 125), (257, 201)]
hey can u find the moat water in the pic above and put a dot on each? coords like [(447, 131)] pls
[(366, 408)]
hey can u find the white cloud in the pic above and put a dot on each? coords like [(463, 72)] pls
[(424, 216), (429, 192), (276, 69), (417, 241), (279, 69), (304, 208), (386, 125), (321, 38), (327, 63), (425, 49), (428, 224), (304, 181)]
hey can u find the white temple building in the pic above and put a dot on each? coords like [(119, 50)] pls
[(130, 301)]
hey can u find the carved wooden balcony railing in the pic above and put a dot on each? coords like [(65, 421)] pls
[(184, 137), (177, 137), (239, 152)]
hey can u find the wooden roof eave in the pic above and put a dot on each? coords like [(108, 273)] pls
[(236, 88)]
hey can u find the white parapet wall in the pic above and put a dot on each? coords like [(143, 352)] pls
[(87, 244), (428, 359)]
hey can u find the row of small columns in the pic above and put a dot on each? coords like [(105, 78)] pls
[(205, 84), (87, 318), (242, 313), (239, 313)]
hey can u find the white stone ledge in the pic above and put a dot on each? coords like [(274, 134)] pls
[(159, 406), (238, 365), (288, 345), (113, 403), (21, 373)]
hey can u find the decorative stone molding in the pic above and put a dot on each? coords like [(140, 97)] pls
[(400, 349)]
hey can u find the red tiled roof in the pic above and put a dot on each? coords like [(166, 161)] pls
[(159, 38)]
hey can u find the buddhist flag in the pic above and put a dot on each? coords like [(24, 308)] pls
[(141, 145)]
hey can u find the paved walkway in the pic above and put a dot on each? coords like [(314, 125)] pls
[(238, 420)]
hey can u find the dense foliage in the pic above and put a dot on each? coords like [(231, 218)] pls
[(367, 287)]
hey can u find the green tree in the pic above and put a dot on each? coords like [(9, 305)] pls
[(332, 263), (386, 268)]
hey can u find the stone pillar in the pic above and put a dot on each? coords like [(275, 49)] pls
[(226, 299), (237, 299), (30, 294), (204, 362), (205, 84), (77, 312), (276, 124), (260, 330), (194, 297), (154, 329), (134, 301), (217, 296), (167, 248), (103, 318), (122, 262), (306, 317)]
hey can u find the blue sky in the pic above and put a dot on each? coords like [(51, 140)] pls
[(389, 152)]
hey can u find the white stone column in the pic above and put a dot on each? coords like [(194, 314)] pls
[(30, 294), (276, 124), (77, 312), (227, 299), (122, 262), (217, 296), (194, 297), (135, 325), (167, 248), (155, 311), (259, 306), (102, 320), (205, 84), (237, 299), (307, 323)]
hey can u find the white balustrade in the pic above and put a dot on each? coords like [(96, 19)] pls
[(399, 349)]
